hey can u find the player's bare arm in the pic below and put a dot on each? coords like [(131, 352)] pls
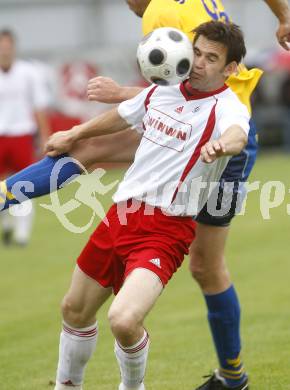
[(281, 9), (106, 123), (232, 142), (43, 126), (106, 90)]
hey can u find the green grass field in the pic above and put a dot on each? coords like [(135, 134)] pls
[(33, 281)]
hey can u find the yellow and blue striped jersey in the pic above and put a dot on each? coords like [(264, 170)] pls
[(187, 15), (183, 14)]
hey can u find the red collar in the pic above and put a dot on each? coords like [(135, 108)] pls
[(193, 94)]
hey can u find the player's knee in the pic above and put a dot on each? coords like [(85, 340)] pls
[(197, 262), (205, 267), (198, 273), (123, 323), (74, 314)]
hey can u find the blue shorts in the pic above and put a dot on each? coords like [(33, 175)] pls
[(231, 190)]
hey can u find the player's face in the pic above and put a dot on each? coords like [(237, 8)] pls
[(138, 6), (209, 70), (7, 52)]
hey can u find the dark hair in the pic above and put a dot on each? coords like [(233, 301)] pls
[(7, 33), (228, 34)]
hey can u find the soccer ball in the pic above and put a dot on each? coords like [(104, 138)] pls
[(165, 56)]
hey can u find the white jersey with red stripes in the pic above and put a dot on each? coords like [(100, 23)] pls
[(167, 171)]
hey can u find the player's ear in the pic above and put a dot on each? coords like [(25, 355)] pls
[(231, 68)]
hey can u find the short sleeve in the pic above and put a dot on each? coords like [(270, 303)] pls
[(133, 110), (232, 113)]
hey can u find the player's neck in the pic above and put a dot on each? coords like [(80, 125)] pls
[(193, 88), (191, 93)]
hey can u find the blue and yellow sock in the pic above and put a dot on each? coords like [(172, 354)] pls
[(41, 178), (224, 320)]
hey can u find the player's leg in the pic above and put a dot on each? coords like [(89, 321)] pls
[(21, 156), (7, 228), (208, 267), (92, 284), (6, 219), (154, 248), (23, 222), (126, 315), (79, 334), (118, 147), (207, 264)]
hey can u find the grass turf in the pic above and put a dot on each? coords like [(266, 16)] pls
[(33, 281)]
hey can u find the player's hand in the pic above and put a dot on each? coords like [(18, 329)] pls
[(104, 90), (59, 143), (212, 150), (283, 34)]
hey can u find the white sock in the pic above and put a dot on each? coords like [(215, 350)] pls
[(132, 362), (6, 221), (122, 387), (23, 222), (75, 349)]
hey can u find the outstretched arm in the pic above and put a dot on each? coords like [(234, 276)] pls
[(44, 177), (281, 9), (106, 90), (106, 123), (232, 142), (38, 177)]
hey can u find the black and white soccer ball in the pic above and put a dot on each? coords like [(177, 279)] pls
[(165, 56)]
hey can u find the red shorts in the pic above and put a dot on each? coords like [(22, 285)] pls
[(16, 153), (156, 242)]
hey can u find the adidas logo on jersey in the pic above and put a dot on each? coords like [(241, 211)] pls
[(156, 262), (179, 109)]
